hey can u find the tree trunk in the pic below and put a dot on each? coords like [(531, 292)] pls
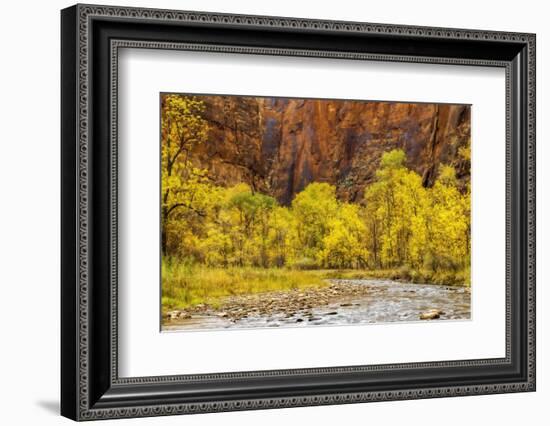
[(163, 231)]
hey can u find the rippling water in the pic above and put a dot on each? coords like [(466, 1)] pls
[(387, 301)]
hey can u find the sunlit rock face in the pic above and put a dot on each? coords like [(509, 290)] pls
[(279, 145)]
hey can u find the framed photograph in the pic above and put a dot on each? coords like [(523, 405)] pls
[(263, 212)]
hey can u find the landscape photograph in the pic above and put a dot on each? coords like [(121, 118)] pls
[(304, 212)]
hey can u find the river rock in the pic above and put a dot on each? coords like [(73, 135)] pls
[(431, 314), (172, 314)]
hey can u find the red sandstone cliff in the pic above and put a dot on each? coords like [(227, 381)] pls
[(279, 145)]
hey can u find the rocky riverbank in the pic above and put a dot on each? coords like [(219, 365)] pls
[(341, 302), (276, 302)]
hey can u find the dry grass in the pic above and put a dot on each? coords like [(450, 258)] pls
[(186, 285)]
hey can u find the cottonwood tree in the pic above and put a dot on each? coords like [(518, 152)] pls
[(183, 185)]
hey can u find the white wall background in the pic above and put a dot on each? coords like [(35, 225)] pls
[(29, 212)]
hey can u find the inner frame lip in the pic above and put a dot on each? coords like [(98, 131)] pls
[(117, 44)]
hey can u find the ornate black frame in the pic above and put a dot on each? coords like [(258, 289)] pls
[(91, 37)]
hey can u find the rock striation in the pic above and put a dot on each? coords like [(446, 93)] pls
[(279, 145)]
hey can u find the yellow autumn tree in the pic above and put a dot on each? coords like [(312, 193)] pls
[(279, 243), (399, 223), (448, 224), (313, 209), (184, 187), (393, 203), (344, 245), (413, 226)]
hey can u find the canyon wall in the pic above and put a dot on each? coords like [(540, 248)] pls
[(279, 145)]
